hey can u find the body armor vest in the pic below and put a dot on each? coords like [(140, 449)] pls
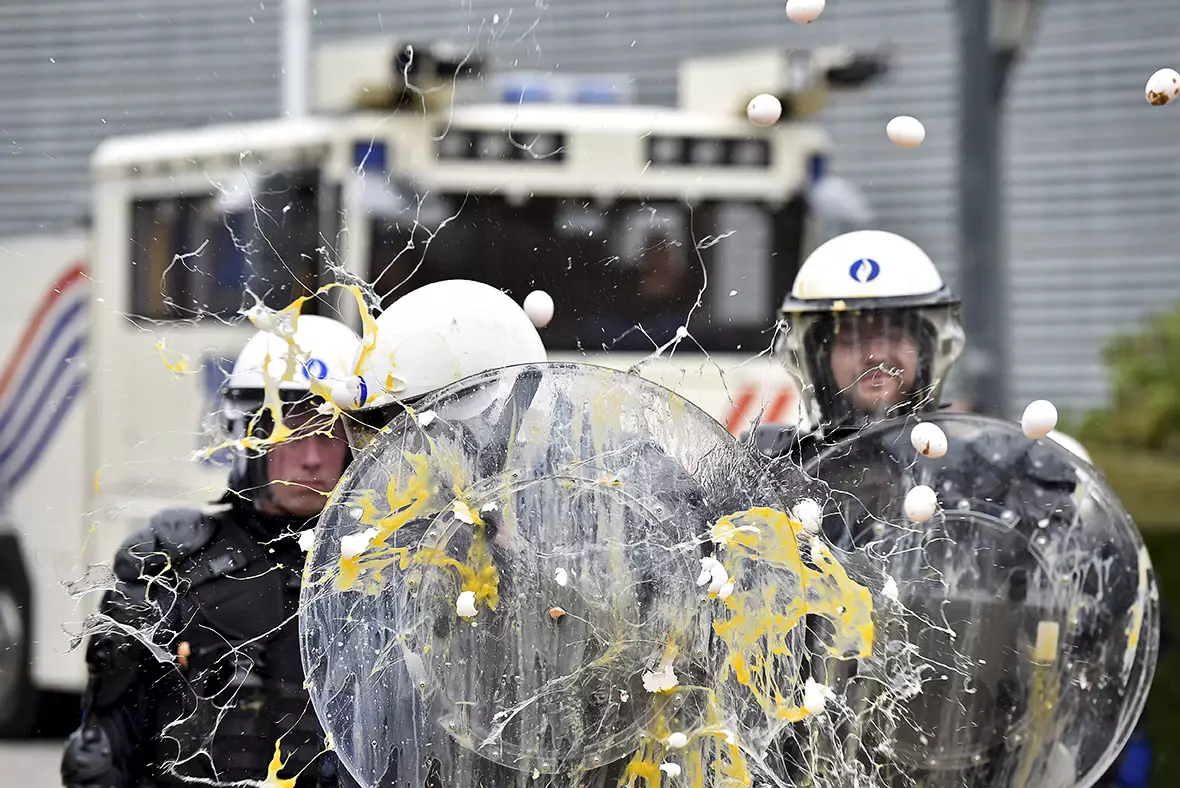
[(242, 693)]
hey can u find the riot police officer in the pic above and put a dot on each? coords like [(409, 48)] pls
[(427, 339), (871, 332), (540, 516), (194, 664)]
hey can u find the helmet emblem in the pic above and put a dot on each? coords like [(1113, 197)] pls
[(315, 368), (865, 269)]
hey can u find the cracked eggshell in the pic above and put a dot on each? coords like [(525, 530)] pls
[(670, 769), (660, 681), (306, 539), (352, 545), (346, 394), (816, 696), (808, 514), (929, 440), (465, 605), (1162, 87)]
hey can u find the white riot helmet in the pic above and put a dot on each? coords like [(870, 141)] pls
[(324, 350), (849, 292), (316, 356), (429, 338)]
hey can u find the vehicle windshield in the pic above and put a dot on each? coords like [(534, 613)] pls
[(624, 275)]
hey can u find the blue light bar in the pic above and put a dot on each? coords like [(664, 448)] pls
[(527, 94), (369, 156), (598, 93), (817, 167)]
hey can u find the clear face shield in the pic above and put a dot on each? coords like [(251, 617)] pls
[(245, 415), (1021, 636), (362, 426), (860, 366), (247, 425), (567, 576), (485, 402)]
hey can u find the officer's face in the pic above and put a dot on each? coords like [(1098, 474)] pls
[(874, 362), (305, 470)]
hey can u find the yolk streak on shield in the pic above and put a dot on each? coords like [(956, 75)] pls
[(478, 574), (767, 615), (406, 503), (755, 626), (710, 747)]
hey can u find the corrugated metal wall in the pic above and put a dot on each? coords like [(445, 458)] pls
[(1093, 184), (1094, 189), (73, 72)]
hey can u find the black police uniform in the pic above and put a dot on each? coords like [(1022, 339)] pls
[(227, 585)]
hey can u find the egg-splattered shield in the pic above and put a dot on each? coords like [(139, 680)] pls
[(564, 575), (1019, 639)]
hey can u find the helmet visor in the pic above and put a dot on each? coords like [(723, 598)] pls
[(860, 366)]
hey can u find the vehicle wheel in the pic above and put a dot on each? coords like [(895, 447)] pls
[(18, 696)]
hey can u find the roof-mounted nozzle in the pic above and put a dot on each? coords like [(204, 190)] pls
[(799, 78), (387, 74)]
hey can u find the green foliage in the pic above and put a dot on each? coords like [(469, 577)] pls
[(1135, 442), (1146, 483), (1144, 412)]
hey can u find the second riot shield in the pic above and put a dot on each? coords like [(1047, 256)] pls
[(1017, 636)]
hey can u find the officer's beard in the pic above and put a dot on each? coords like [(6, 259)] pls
[(879, 392)]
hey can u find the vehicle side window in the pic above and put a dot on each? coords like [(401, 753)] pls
[(202, 255)]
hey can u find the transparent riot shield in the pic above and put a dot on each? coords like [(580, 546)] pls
[(1017, 634), (564, 575)]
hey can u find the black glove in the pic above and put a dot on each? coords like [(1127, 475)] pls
[(89, 761)]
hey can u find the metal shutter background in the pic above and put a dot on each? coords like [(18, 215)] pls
[(73, 73), (1094, 189), (1093, 184)]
